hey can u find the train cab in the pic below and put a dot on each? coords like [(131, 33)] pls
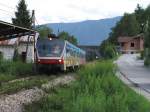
[(54, 52)]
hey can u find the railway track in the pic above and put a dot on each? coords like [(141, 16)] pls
[(15, 102)]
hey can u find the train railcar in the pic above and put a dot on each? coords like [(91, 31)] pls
[(55, 52)]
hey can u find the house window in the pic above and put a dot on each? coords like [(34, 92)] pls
[(122, 44), (132, 44)]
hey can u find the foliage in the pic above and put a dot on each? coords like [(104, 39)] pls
[(147, 35), (142, 54), (127, 26), (6, 77), (140, 17), (23, 17), (107, 50), (131, 25), (66, 36), (96, 90), (147, 42), (11, 87), (147, 57), (16, 68), (44, 31)]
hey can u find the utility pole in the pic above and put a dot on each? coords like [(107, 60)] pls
[(33, 27)]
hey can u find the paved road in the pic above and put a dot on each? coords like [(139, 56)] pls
[(135, 70)]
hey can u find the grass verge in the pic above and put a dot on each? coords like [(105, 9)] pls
[(15, 86), (96, 90)]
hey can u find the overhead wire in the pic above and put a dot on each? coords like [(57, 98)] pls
[(4, 5), (7, 12), (36, 21), (11, 13)]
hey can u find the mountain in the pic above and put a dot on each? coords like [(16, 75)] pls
[(90, 32)]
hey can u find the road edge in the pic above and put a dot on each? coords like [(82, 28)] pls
[(134, 86)]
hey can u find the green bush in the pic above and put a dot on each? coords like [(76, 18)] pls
[(108, 50), (16, 68), (6, 77), (147, 57), (147, 61), (142, 54)]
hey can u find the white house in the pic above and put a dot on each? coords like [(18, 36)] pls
[(7, 48)]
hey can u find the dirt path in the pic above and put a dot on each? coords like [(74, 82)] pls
[(14, 102)]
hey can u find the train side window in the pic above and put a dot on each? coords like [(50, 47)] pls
[(68, 52)]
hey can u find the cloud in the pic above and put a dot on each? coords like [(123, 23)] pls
[(76, 10)]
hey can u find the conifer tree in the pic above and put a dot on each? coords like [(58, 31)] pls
[(22, 16)]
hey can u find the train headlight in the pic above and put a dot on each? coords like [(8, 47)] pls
[(38, 60), (60, 60)]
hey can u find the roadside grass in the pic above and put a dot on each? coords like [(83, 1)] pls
[(16, 68), (6, 77), (11, 70), (15, 86), (97, 89)]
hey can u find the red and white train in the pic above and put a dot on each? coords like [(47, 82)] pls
[(54, 52)]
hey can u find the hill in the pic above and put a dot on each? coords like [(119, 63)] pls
[(90, 32)]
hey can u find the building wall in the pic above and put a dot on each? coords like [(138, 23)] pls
[(138, 46), (30, 54), (8, 51)]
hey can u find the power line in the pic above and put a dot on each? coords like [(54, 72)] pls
[(7, 12), (36, 21), (7, 6)]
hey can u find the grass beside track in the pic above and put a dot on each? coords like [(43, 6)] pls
[(17, 85), (96, 90)]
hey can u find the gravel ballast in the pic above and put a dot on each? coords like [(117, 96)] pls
[(14, 102)]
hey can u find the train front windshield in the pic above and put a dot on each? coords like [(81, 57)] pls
[(50, 48)]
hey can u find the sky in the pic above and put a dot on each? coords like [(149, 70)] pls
[(62, 11)]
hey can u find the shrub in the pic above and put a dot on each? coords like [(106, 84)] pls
[(6, 77), (142, 55), (147, 57), (16, 68), (147, 62), (108, 50)]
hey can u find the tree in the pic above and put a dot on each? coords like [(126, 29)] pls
[(23, 17), (65, 36), (107, 50), (127, 26), (44, 31), (147, 43), (140, 17), (147, 35), (147, 13)]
